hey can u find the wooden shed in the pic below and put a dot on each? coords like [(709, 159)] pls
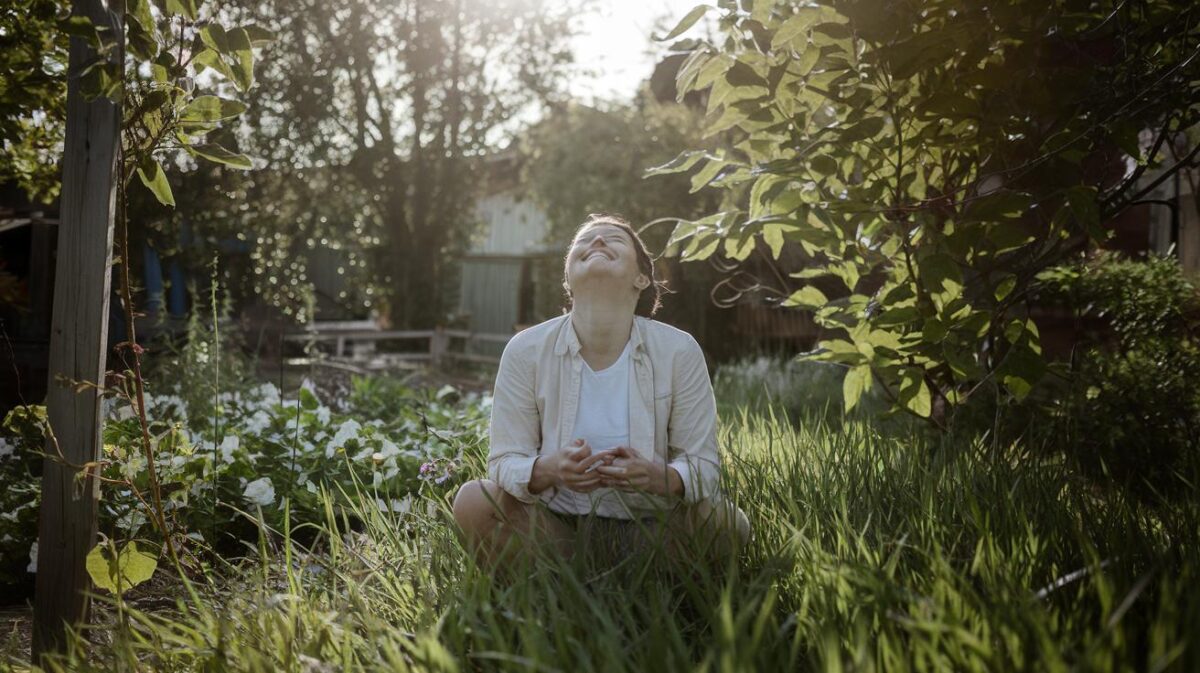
[(507, 273)]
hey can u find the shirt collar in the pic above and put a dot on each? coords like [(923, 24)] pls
[(568, 340)]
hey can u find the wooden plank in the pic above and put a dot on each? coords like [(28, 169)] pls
[(478, 336), (474, 357), (359, 335), (78, 336)]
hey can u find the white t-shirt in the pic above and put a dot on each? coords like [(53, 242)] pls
[(603, 418)]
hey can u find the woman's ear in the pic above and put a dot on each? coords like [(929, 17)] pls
[(641, 282)]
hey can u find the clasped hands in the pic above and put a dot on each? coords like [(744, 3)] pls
[(578, 468)]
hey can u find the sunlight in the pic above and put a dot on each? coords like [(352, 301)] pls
[(614, 50)]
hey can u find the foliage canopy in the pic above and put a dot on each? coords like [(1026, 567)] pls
[(932, 158)]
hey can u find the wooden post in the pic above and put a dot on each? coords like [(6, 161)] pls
[(439, 343), (78, 341)]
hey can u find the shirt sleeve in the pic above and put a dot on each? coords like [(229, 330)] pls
[(515, 430), (692, 428)]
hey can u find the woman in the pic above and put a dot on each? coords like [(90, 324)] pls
[(603, 421)]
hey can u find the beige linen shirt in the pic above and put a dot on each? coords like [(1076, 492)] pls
[(672, 414)]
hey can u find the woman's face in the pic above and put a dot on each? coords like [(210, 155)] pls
[(605, 253)]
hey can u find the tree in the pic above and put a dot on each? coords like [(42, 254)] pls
[(933, 158), (33, 95), (387, 107)]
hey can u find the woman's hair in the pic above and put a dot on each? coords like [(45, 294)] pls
[(650, 299)]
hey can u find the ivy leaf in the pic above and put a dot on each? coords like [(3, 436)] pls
[(155, 179)]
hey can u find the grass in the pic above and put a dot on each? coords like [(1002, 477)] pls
[(872, 552)]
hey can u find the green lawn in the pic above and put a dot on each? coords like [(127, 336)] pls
[(871, 552)]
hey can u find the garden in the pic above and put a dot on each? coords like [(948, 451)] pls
[(941, 259)]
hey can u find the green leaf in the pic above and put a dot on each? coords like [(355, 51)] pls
[(1020, 369), (998, 205), (940, 273), (153, 176), (679, 164), (141, 41), (772, 234), (258, 35), (705, 175), (806, 297), (823, 164), (81, 26), (914, 393), (188, 8), (243, 56), (1084, 206), (130, 568), (211, 109), (864, 130), (857, 382), (140, 10), (686, 22), (795, 27), (220, 155), (308, 400), (1005, 286)]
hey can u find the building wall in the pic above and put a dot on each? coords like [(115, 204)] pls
[(509, 226), (500, 289)]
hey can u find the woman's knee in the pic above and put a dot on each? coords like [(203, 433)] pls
[(476, 503), (717, 515)]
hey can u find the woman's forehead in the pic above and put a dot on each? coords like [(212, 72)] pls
[(603, 227)]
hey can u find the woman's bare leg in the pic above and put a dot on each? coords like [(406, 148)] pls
[(493, 523)]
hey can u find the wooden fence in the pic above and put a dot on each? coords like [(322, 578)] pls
[(354, 344)]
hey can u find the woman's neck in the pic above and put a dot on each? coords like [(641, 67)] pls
[(603, 330)]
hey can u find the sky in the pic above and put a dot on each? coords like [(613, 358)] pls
[(614, 42)]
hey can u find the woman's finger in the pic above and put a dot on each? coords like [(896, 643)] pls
[(613, 470)]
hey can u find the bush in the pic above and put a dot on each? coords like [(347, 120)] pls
[(221, 472), (1132, 410)]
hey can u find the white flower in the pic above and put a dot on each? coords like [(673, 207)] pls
[(388, 449), (32, 567), (260, 492), (347, 431), (399, 506), (267, 392), (323, 415), (257, 423), (228, 445)]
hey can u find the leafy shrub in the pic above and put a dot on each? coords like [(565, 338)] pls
[(220, 471), (1133, 410)]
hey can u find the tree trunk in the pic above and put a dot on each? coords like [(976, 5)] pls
[(78, 335)]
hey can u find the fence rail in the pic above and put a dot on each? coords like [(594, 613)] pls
[(437, 354)]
